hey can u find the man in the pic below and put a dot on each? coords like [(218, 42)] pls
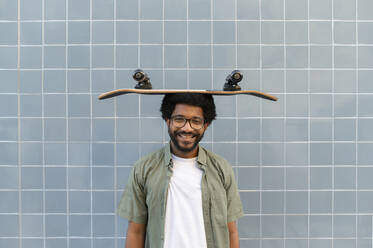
[(182, 196)]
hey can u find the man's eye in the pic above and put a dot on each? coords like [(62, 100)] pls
[(197, 121), (179, 120)]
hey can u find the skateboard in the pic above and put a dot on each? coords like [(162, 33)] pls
[(144, 86)]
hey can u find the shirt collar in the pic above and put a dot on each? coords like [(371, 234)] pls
[(201, 158)]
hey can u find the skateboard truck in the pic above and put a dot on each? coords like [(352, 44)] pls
[(143, 81), (232, 80)]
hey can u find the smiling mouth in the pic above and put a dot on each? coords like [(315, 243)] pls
[(186, 137)]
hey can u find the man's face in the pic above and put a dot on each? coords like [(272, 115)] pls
[(185, 139)]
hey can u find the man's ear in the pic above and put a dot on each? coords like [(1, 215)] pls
[(206, 125), (168, 122)]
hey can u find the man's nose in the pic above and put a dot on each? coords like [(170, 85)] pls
[(187, 126)]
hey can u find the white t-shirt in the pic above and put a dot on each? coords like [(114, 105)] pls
[(184, 226)]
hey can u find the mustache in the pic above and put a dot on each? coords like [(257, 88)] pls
[(186, 133)]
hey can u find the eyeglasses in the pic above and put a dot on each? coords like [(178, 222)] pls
[(179, 121)]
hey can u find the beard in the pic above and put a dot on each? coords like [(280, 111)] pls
[(179, 144)]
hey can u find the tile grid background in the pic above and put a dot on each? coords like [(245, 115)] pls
[(304, 180)]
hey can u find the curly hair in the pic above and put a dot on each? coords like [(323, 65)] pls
[(205, 101)]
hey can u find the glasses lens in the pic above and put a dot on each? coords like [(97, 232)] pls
[(179, 122), (196, 123)]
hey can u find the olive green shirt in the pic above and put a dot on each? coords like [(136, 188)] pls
[(144, 199)]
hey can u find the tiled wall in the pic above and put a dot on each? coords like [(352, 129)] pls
[(304, 164)]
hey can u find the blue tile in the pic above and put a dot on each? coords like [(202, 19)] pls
[(296, 130), (55, 178), (128, 130), (79, 10), (364, 130), (224, 56), (220, 131), (250, 202), (79, 154), (272, 32), (321, 153), (365, 53), (345, 33), (55, 33), (175, 32), (79, 129), (103, 202), (55, 81), (32, 243), (321, 81), (248, 9), (103, 178), (272, 130), (320, 9), (127, 9), (344, 226), (9, 11), (31, 57), (248, 129), (363, 178), (251, 37), (296, 154), (248, 178), (102, 80), (31, 106), (248, 154), (31, 10), (175, 79), (345, 129), (126, 56), (321, 178), (297, 178), (297, 57), (103, 130), (296, 226), (9, 177), (32, 201), (56, 225), (249, 227), (297, 202), (9, 202), (129, 153), (321, 105), (103, 225), (272, 9), (344, 57), (344, 10), (151, 32), (32, 225), (55, 9), (321, 57), (151, 9), (151, 130), (102, 56), (79, 202), (9, 81), (102, 108), (175, 56), (79, 105), (273, 81), (32, 177), (103, 9), (122, 174), (56, 243), (8, 105), (8, 156), (345, 81), (345, 154), (344, 202), (227, 151), (79, 32), (127, 32), (55, 130), (271, 109), (31, 154), (199, 56), (10, 28), (272, 202), (296, 9), (78, 81), (199, 32), (31, 33), (320, 243), (364, 82), (272, 226), (175, 9), (103, 154), (320, 226), (151, 56), (78, 57), (345, 243), (321, 129), (364, 226), (321, 202), (296, 243), (363, 8), (364, 153), (55, 153), (9, 226), (55, 201), (273, 57), (273, 154), (364, 108), (224, 32), (344, 178), (223, 10), (272, 178), (8, 57), (79, 242), (9, 130), (80, 225), (107, 242), (55, 105), (199, 9), (102, 32), (248, 56)]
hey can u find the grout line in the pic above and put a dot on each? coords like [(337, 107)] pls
[(91, 120), (43, 123), (333, 115), (115, 169), (20, 234), (285, 122), (139, 64), (67, 128), (261, 130), (212, 61), (309, 124), (356, 120)]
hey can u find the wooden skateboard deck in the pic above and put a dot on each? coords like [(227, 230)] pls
[(170, 91)]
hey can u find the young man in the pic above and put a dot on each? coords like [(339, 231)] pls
[(182, 196)]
